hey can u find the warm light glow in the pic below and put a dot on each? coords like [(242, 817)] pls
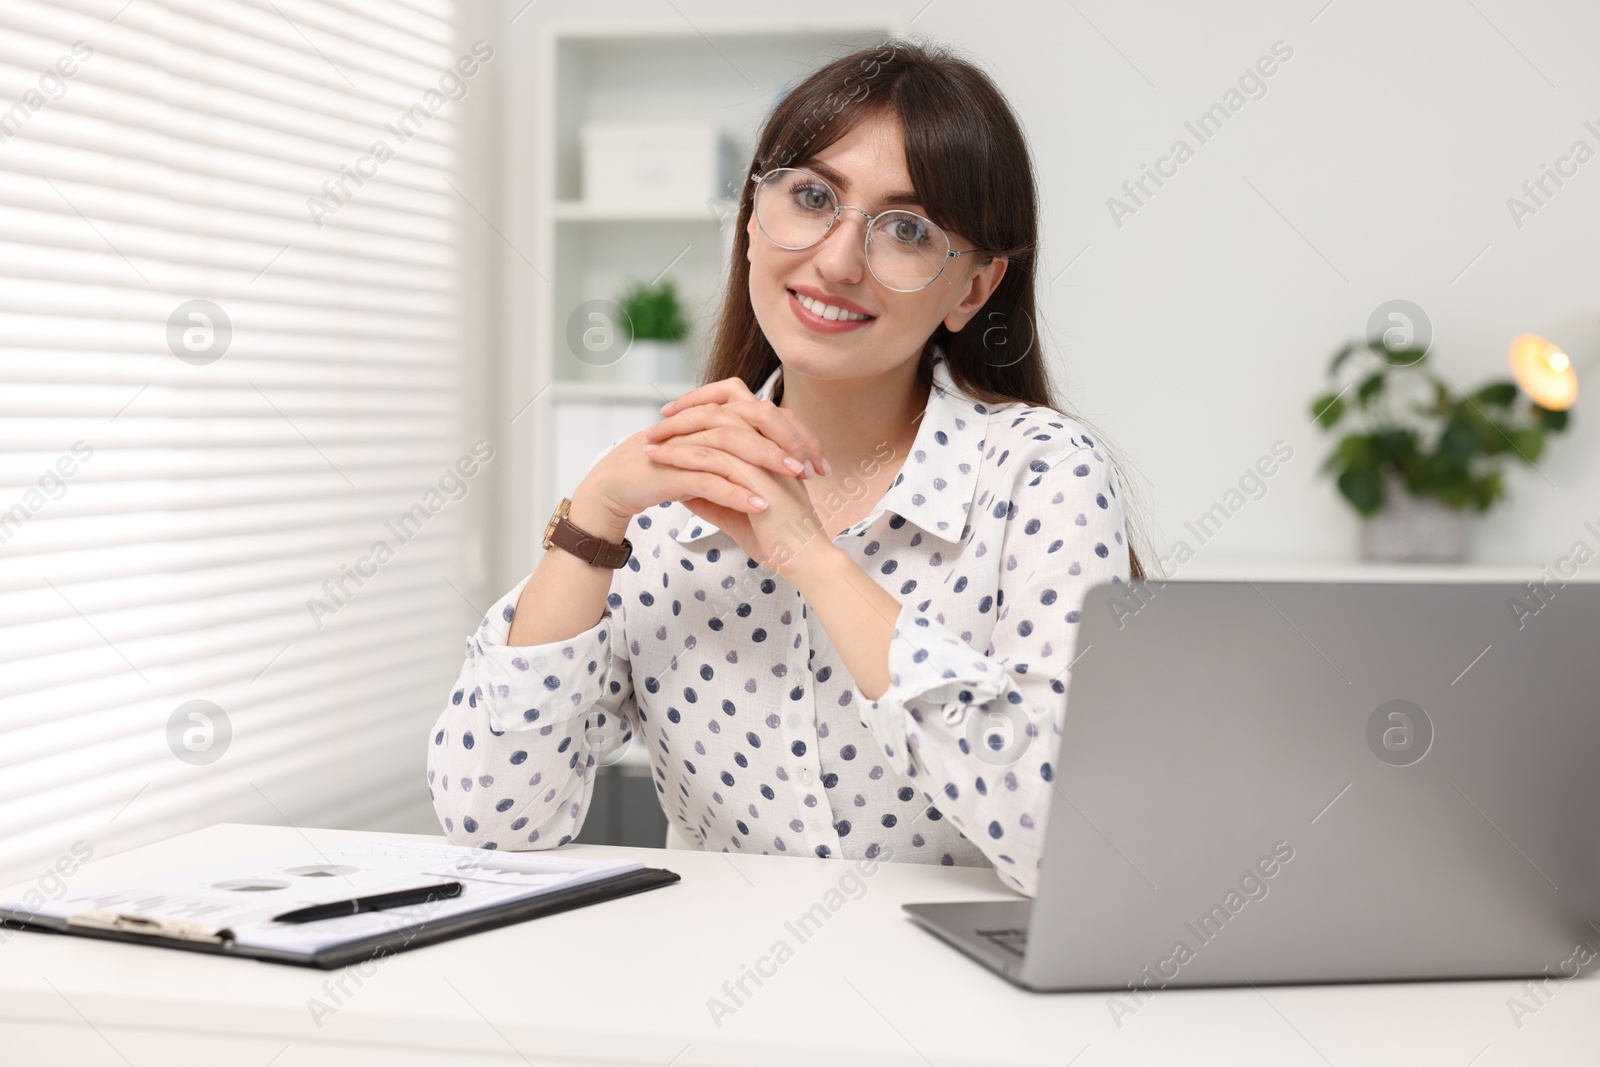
[(1544, 372)]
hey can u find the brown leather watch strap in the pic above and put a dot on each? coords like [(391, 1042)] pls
[(562, 532)]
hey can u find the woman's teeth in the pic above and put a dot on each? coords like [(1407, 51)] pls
[(827, 311)]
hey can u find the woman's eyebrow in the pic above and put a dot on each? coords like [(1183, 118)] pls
[(844, 186)]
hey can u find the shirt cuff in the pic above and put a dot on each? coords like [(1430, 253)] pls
[(525, 687), (932, 672)]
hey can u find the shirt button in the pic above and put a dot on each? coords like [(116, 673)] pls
[(806, 776), (794, 720)]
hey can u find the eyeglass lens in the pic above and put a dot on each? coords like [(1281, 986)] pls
[(904, 250)]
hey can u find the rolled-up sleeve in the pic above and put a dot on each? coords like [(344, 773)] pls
[(511, 757), (979, 732)]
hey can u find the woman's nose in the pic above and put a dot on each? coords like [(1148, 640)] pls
[(843, 251)]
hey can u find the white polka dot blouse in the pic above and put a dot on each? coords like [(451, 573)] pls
[(997, 524)]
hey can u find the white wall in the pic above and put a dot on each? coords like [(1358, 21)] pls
[(1377, 165)]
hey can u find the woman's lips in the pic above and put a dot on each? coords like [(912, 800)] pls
[(820, 324)]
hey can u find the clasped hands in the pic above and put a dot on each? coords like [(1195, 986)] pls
[(723, 428)]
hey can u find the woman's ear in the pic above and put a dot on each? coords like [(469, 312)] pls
[(984, 282)]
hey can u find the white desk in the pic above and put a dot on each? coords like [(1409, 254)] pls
[(627, 982), (1205, 569)]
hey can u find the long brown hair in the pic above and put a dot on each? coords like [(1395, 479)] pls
[(971, 170)]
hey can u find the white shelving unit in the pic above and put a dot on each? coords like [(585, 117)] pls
[(729, 74), (579, 211)]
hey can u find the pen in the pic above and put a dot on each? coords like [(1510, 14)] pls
[(377, 902)]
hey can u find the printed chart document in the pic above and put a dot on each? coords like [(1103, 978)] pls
[(236, 901)]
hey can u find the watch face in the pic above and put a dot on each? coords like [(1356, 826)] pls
[(555, 518)]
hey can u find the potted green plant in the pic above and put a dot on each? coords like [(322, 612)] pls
[(656, 323), (1417, 455)]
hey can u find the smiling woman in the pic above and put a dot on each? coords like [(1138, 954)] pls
[(881, 674)]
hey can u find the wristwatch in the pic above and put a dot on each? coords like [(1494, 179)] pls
[(562, 532)]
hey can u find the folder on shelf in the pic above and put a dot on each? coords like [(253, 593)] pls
[(232, 908)]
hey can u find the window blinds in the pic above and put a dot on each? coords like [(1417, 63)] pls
[(229, 371)]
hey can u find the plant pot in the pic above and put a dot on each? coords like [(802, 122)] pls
[(1409, 529), (650, 360)]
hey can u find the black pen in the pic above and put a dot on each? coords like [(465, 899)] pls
[(377, 902)]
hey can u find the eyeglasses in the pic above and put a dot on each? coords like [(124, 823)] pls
[(795, 209)]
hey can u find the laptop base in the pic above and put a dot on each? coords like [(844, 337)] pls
[(958, 923)]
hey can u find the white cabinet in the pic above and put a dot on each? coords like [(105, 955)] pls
[(711, 86), (700, 95)]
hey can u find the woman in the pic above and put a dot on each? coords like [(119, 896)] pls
[(872, 486)]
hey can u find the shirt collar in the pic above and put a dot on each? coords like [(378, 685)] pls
[(935, 485)]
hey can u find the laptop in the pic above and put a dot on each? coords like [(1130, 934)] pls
[(1288, 782)]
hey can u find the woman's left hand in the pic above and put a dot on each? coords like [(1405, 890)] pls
[(787, 532), (792, 442)]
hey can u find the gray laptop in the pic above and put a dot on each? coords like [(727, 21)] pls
[(1270, 782)]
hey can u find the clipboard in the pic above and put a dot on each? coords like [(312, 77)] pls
[(113, 924)]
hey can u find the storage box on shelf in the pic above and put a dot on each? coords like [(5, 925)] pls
[(660, 165), (644, 136)]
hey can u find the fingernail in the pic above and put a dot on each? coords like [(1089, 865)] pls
[(665, 406), (757, 502), (811, 472), (827, 468), (793, 464), (651, 447)]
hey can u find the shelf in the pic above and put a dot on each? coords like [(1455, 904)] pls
[(582, 211), (656, 393)]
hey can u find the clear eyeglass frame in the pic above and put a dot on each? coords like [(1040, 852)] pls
[(838, 209)]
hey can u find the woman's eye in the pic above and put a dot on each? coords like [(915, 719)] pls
[(908, 231), (812, 198)]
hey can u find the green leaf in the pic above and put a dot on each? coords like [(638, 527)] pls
[(1497, 394), (1461, 438), (1528, 442), (1491, 486), (1363, 487), (1441, 396), (1355, 450), (1441, 468), (1340, 356), (1458, 492), (1555, 421), (1327, 410), (1404, 357), (1370, 387), (1411, 471), (1493, 435), (1391, 446)]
